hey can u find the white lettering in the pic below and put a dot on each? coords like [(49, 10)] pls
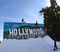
[(35, 31), (38, 31), (19, 32), (15, 32), (30, 31), (23, 32), (26, 30), (11, 32)]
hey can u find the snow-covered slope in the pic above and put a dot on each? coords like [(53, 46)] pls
[(30, 45)]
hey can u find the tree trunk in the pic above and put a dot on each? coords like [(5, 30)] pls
[(55, 45)]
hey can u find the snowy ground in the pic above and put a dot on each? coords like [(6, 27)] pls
[(30, 45)]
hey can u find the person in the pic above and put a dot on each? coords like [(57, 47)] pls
[(0, 41), (23, 21)]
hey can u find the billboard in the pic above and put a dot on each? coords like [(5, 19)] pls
[(19, 31)]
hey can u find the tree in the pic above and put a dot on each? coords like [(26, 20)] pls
[(52, 21)]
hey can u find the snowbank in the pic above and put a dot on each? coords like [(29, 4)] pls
[(29, 45)]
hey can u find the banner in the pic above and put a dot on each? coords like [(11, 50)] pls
[(23, 30)]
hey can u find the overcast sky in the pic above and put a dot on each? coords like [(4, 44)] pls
[(15, 10)]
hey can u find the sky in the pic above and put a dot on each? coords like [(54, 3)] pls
[(16, 10)]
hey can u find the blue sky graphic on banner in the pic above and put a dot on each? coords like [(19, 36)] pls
[(12, 25)]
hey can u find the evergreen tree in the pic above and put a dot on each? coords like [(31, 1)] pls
[(52, 21)]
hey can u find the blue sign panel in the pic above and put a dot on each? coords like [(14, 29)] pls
[(19, 31)]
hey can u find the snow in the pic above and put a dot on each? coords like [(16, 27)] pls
[(30, 45)]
